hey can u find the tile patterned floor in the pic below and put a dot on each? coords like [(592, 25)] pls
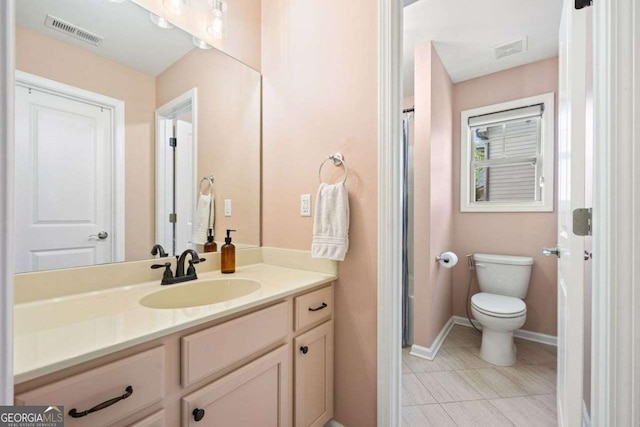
[(460, 389)]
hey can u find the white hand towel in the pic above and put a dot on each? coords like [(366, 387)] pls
[(203, 220), (331, 223)]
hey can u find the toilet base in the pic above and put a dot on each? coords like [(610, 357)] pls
[(498, 348)]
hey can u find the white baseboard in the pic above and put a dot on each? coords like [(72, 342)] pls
[(586, 418), (520, 333), (333, 423), (431, 352)]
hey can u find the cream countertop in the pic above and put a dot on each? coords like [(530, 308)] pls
[(57, 333)]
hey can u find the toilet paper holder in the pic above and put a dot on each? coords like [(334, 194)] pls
[(443, 257)]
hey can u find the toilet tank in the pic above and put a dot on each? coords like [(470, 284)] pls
[(503, 274)]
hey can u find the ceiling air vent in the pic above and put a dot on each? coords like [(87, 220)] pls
[(72, 30), (511, 48)]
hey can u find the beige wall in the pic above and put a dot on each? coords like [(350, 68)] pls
[(228, 133), (506, 233), (433, 203), (243, 41), (52, 59), (320, 96)]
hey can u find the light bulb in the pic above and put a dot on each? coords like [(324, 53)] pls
[(199, 43), (117, 1), (177, 7), (218, 7), (160, 21), (218, 28)]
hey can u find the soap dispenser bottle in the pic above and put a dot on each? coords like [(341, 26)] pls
[(210, 246), (228, 256)]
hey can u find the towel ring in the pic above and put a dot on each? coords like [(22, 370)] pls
[(209, 179), (338, 159)]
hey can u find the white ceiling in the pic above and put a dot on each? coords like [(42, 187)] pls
[(464, 31), (130, 37)]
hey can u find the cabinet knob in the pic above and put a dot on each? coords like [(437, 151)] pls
[(304, 349), (198, 414)]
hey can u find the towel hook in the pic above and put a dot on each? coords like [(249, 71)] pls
[(209, 179), (338, 159)]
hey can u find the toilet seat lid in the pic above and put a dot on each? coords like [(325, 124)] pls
[(498, 305)]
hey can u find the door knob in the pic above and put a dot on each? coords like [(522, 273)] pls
[(101, 235), (551, 251)]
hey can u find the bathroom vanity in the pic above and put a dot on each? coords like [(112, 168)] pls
[(262, 359)]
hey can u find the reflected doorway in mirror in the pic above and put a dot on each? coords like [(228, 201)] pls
[(70, 165)]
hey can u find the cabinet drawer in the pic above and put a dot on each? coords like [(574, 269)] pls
[(144, 373), (314, 307), (208, 351), (254, 395), (154, 420)]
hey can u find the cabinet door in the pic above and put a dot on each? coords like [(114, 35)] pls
[(254, 395), (314, 376)]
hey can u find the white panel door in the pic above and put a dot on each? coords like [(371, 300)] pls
[(571, 196), (185, 183), (63, 182)]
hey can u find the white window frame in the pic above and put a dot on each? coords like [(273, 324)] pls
[(547, 148)]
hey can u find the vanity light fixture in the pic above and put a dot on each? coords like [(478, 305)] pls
[(201, 43), (218, 27), (177, 7), (160, 21)]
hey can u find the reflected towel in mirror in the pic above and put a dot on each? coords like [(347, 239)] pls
[(204, 219)]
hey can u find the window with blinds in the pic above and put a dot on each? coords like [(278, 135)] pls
[(505, 158)]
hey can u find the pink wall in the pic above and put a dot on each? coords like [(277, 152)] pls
[(432, 193), (228, 133), (52, 59), (506, 233), (320, 96)]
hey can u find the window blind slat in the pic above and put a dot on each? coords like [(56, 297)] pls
[(502, 116)]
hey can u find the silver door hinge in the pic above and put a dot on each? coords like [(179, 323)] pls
[(582, 221), (173, 218)]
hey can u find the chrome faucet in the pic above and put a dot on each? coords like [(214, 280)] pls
[(169, 279)]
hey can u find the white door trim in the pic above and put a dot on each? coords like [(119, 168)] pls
[(189, 98), (7, 66), (389, 210), (616, 237), (116, 107)]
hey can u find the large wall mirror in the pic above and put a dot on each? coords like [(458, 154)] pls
[(129, 133)]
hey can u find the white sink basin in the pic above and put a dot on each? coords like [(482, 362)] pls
[(200, 293)]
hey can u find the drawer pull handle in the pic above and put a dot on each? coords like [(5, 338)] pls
[(324, 305), (198, 414), (304, 349), (75, 414)]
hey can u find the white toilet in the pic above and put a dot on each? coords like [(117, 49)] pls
[(503, 282)]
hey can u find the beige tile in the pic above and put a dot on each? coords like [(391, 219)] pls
[(414, 392), (476, 414), (448, 386), (461, 336), (533, 378), (534, 411), (463, 358), (492, 384), (418, 364), (405, 368), (426, 416)]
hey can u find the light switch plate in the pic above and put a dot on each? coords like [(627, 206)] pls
[(227, 207), (305, 205)]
